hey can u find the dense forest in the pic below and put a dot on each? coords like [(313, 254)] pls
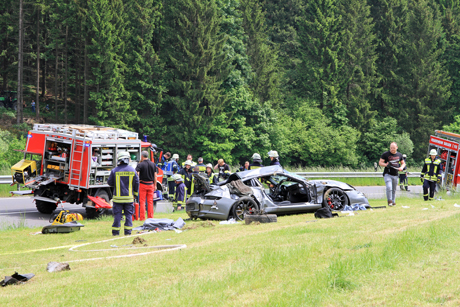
[(323, 82)]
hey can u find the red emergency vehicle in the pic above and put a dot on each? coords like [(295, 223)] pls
[(447, 145), (72, 163)]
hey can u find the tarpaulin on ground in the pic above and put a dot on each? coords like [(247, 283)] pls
[(161, 224)]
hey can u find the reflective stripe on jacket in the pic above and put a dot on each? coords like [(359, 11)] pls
[(431, 169), (125, 181)]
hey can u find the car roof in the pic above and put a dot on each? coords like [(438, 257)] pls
[(258, 172)]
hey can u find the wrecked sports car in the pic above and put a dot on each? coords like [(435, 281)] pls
[(267, 190)]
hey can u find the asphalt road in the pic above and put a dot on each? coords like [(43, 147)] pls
[(22, 211)]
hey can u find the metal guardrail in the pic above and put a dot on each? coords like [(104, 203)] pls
[(346, 174), (7, 179)]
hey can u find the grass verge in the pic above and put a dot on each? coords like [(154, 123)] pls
[(395, 256)]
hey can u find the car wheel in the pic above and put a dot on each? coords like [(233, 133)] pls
[(245, 205), (45, 206), (335, 199)]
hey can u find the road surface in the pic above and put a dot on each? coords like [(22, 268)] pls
[(22, 211)]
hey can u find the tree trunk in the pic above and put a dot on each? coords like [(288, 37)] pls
[(85, 95), (20, 68), (44, 63), (66, 80), (37, 90), (56, 86)]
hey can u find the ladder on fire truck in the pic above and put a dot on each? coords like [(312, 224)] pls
[(448, 135), (73, 171)]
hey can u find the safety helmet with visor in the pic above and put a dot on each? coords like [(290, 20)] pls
[(273, 154), (123, 156)]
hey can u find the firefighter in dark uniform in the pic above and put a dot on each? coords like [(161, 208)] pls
[(431, 173), (210, 175), (256, 161), (273, 154), (186, 174), (125, 181), (180, 197), (201, 165), (403, 181)]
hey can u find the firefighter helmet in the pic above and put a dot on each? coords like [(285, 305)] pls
[(188, 162), (433, 152), (123, 156), (177, 177), (209, 165), (175, 156), (404, 156), (256, 156), (273, 154)]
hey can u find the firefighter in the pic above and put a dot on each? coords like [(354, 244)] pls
[(273, 154), (224, 169), (125, 181), (431, 173), (212, 178), (172, 167), (186, 174), (189, 158), (201, 165), (403, 181), (147, 171), (256, 161), (180, 197)]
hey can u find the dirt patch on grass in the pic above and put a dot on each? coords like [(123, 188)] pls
[(204, 224), (139, 240)]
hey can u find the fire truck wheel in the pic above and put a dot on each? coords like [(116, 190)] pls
[(92, 213), (45, 207)]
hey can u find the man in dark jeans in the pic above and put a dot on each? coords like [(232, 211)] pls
[(393, 162), (147, 171)]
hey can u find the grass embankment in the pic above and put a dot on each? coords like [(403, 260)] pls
[(393, 256)]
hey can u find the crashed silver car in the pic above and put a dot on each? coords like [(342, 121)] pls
[(267, 190)]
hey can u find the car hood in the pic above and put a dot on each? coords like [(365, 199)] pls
[(332, 183)]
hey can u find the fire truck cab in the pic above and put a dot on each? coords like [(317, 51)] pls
[(447, 145), (69, 163)]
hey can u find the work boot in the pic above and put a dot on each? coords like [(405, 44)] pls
[(390, 203), (401, 187), (407, 189)]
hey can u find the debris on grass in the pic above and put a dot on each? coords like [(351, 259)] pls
[(16, 279), (139, 240), (57, 266), (202, 224)]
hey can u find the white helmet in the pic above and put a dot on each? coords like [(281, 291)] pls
[(404, 156), (209, 165), (433, 152), (273, 153), (256, 156), (177, 177), (188, 162), (123, 156), (175, 156)]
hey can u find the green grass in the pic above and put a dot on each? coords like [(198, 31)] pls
[(392, 257)]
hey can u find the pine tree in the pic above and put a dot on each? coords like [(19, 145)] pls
[(320, 75), (143, 75), (263, 57), (359, 59), (424, 80), (197, 67)]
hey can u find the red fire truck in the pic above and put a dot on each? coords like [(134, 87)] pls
[(447, 145), (72, 163)]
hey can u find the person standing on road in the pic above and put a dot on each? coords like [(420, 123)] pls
[(392, 161), (180, 196), (125, 181), (431, 173), (147, 171), (403, 181)]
